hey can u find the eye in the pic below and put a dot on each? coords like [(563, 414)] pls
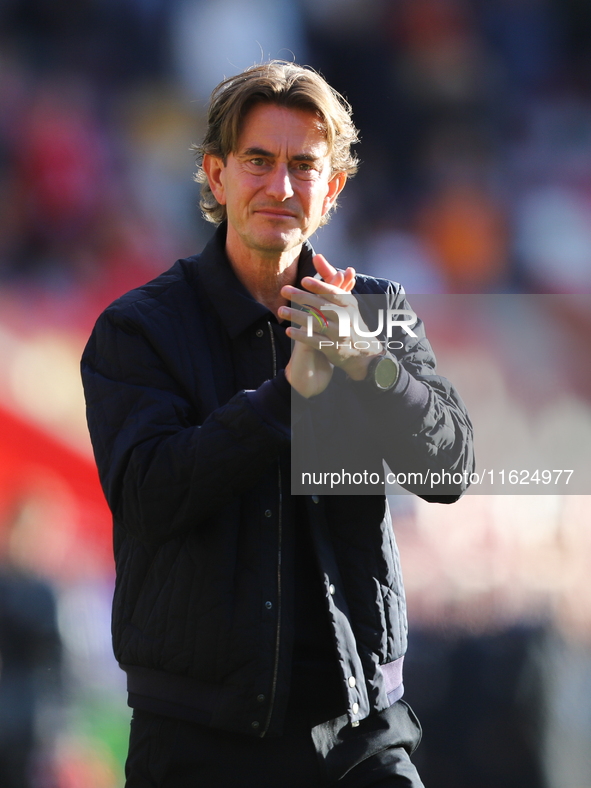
[(305, 170), (257, 161)]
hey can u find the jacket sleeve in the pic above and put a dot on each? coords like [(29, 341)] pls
[(420, 427), (427, 431), (162, 471)]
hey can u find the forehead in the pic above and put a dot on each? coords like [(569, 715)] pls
[(282, 131)]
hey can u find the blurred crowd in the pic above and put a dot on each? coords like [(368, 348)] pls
[(475, 120)]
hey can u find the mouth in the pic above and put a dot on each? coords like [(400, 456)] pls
[(277, 213)]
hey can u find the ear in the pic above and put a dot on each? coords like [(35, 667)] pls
[(335, 186), (214, 169)]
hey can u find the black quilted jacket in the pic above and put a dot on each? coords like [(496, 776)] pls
[(190, 469)]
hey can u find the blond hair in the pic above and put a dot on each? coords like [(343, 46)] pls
[(286, 85)]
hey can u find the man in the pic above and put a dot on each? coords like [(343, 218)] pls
[(262, 633)]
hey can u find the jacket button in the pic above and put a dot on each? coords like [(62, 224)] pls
[(261, 698), (268, 513), (268, 605), (315, 498), (254, 725), (331, 590), (259, 333), (354, 709), (352, 681)]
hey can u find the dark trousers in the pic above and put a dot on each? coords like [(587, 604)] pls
[(170, 753)]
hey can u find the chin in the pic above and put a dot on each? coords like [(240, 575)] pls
[(281, 242)]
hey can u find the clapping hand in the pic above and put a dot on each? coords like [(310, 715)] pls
[(310, 369)]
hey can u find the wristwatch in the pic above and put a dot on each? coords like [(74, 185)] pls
[(382, 372)]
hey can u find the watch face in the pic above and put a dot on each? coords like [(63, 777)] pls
[(386, 372)]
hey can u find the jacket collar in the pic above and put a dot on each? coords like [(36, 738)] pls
[(236, 307)]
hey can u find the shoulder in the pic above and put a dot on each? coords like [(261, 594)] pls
[(369, 285), (170, 293), (152, 318)]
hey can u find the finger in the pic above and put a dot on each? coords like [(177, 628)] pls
[(323, 267), (317, 300), (332, 275), (296, 316), (349, 279), (329, 292), (299, 335), (337, 280), (322, 344)]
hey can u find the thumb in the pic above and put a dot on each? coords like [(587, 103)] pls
[(323, 267)]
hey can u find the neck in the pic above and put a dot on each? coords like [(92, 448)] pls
[(264, 276)]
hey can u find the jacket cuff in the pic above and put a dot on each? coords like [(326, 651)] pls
[(272, 402), (411, 395)]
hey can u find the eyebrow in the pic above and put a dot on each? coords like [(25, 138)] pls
[(267, 154)]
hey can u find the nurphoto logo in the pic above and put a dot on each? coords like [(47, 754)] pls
[(394, 318)]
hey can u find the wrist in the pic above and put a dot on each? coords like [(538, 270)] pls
[(356, 368), (382, 373)]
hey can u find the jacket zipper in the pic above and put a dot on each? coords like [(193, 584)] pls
[(279, 544)]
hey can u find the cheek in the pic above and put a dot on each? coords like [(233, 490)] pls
[(242, 192), (232, 199), (316, 197)]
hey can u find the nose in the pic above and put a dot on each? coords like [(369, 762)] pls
[(279, 184)]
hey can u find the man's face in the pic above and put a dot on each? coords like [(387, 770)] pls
[(278, 184)]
